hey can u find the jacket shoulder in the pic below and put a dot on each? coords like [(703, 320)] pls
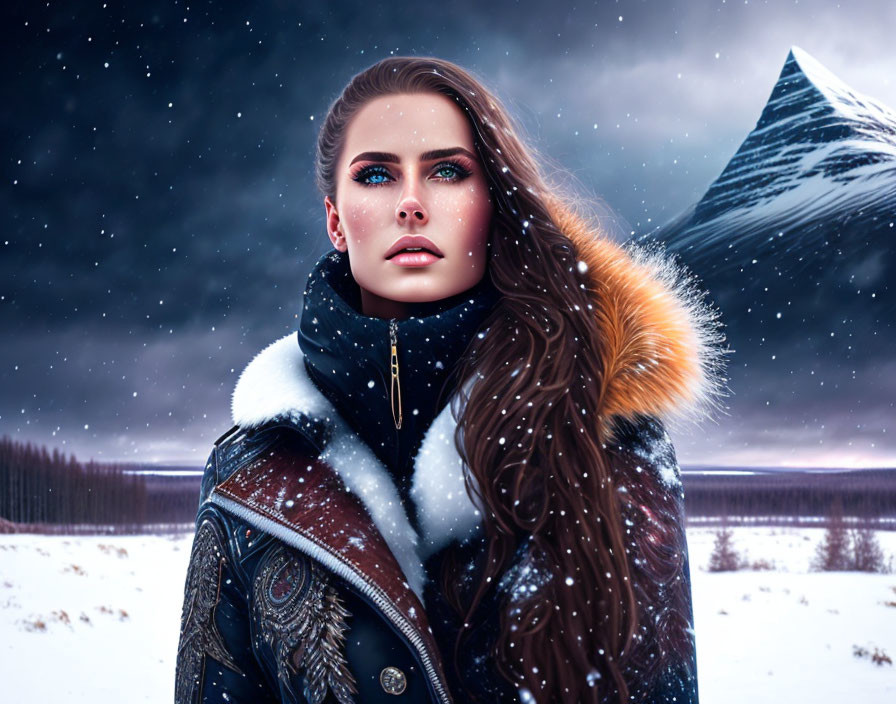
[(239, 446), (643, 441)]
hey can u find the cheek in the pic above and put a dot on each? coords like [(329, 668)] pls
[(364, 213), (475, 215)]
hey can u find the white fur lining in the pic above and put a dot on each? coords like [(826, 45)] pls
[(275, 385), (444, 508)]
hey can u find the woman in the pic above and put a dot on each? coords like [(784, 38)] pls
[(454, 483)]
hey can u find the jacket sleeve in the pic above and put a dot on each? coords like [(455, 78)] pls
[(215, 658), (653, 500)]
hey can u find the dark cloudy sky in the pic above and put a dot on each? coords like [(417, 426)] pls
[(159, 216)]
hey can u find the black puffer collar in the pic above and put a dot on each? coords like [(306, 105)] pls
[(347, 356)]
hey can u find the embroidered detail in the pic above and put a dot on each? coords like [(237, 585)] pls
[(303, 620), (393, 680), (199, 635)]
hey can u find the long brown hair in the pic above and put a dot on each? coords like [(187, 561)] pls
[(529, 430)]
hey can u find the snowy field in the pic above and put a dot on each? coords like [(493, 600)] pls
[(95, 620)]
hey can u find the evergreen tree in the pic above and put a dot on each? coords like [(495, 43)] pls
[(867, 555), (833, 553), (724, 557)]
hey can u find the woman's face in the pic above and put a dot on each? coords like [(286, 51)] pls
[(409, 167)]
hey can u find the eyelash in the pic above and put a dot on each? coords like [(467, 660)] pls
[(462, 173)]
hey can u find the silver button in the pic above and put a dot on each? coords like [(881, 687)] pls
[(393, 680)]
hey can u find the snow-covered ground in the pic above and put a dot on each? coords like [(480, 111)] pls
[(90, 619), (96, 619), (788, 635)]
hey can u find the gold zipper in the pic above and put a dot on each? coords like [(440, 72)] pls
[(393, 364)]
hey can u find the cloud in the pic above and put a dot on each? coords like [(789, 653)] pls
[(182, 173)]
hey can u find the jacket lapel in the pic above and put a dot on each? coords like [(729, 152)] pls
[(288, 492)]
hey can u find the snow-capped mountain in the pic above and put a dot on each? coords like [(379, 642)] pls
[(795, 243), (821, 160)]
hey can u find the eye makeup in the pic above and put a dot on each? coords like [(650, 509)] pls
[(376, 170)]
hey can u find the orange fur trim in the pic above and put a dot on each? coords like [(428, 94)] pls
[(661, 352)]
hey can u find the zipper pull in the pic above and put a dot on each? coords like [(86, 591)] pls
[(393, 364)]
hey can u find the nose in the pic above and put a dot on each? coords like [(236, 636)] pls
[(410, 210)]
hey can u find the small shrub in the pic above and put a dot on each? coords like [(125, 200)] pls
[(37, 624), (867, 555), (111, 549), (843, 549), (724, 557), (878, 657), (833, 553), (762, 565)]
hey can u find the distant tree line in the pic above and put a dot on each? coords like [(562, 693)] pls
[(171, 499), (865, 494), (43, 488), (38, 487)]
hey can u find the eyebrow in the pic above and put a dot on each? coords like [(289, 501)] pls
[(425, 156)]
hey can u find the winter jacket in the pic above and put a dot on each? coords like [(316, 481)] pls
[(320, 531)]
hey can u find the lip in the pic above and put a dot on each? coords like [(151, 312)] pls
[(414, 259), (413, 241)]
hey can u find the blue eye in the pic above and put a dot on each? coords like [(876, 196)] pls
[(372, 172), (460, 173), (447, 168)]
